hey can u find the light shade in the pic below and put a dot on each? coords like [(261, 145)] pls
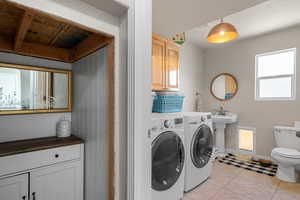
[(221, 33)]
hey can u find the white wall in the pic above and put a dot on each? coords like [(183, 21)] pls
[(191, 74), (238, 58), (123, 2), (89, 120)]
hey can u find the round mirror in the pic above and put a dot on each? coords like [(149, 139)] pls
[(224, 87)]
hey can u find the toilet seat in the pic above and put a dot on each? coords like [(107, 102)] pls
[(288, 153)]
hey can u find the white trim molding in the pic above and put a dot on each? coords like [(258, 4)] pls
[(292, 76), (139, 99), (238, 139)]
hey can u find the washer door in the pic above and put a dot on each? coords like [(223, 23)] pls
[(167, 160), (202, 146)]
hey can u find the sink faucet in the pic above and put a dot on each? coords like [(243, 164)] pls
[(221, 111)]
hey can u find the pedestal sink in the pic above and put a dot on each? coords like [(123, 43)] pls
[(220, 122)]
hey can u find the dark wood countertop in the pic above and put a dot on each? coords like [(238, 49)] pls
[(24, 146)]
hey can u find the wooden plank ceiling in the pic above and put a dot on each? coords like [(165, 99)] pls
[(29, 32)]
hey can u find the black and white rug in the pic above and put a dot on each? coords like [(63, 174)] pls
[(251, 165)]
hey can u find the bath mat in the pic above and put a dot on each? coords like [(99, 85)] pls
[(251, 165)]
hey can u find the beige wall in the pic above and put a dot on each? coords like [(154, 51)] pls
[(238, 59), (191, 73)]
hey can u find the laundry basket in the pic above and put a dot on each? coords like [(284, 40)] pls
[(168, 103)]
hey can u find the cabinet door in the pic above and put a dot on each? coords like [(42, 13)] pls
[(14, 188), (58, 182), (172, 66), (158, 64)]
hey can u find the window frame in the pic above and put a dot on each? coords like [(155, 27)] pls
[(238, 140), (293, 77)]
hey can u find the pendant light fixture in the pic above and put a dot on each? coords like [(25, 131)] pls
[(221, 33)]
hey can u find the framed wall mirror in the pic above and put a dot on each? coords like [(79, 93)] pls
[(28, 89), (224, 87)]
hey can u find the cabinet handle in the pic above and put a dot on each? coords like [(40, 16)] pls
[(33, 196), (56, 155), (24, 197)]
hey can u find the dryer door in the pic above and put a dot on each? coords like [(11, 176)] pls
[(202, 146), (167, 160)]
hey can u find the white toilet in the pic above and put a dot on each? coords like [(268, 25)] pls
[(287, 152)]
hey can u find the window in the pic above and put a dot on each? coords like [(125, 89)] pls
[(246, 140), (275, 75)]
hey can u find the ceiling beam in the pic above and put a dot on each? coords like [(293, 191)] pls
[(43, 51), (57, 18), (23, 29), (62, 30), (6, 45), (88, 46), (36, 50)]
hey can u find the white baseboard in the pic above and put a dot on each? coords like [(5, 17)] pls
[(232, 151)]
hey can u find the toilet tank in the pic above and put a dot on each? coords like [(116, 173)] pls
[(287, 137)]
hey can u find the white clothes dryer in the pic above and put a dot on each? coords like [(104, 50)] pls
[(199, 139)]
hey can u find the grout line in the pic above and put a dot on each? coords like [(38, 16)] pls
[(239, 174), (223, 187), (213, 196), (275, 191)]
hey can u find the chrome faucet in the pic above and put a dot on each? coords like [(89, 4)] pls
[(221, 111)]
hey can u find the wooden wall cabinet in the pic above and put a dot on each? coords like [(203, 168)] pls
[(165, 64)]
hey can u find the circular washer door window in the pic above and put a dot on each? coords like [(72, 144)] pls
[(202, 146), (167, 160)]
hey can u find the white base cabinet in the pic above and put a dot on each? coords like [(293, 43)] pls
[(14, 188), (60, 180)]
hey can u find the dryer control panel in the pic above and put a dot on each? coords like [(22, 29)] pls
[(201, 119)]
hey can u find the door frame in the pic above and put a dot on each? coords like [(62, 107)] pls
[(139, 99), (112, 43)]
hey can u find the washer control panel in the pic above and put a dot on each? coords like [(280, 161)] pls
[(203, 118), (178, 121), (172, 123)]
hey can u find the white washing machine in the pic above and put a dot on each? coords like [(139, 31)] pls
[(199, 137), (168, 156)]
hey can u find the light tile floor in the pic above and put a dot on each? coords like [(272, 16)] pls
[(232, 183)]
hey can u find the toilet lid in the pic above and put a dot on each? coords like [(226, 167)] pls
[(289, 153)]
